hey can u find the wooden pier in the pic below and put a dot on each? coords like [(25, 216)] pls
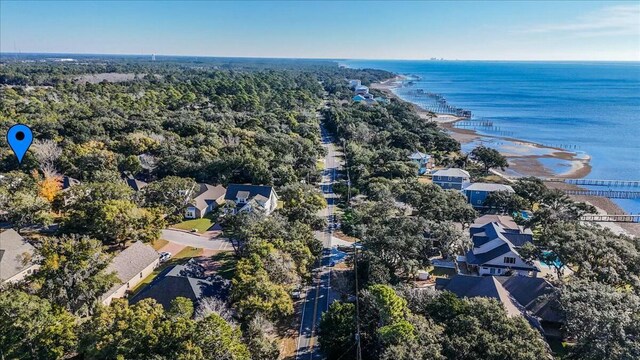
[(609, 183), (612, 218), (611, 194)]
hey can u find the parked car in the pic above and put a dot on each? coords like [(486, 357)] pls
[(298, 294), (165, 256)]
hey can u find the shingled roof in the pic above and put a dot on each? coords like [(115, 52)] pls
[(12, 248), (177, 282), (207, 194), (481, 286), (129, 263)]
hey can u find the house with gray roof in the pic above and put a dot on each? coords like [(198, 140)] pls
[(477, 193), (252, 198), (451, 178), (131, 266), (205, 199), (520, 295), (424, 161), (181, 281), (495, 251), (16, 257)]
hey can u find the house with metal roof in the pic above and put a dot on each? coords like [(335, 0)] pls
[(131, 266), (182, 281), (358, 98), (477, 193), (424, 161), (16, 257), (205, 198), (250, 198), (451, 178), (495, 251)]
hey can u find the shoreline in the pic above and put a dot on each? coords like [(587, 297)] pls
[(520, 162), (525, 165)]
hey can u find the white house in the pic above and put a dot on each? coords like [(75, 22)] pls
[(361, 90), (495, 251), (131, 266), (205, 199), (16, 257), (451, 178), (354, 83), (252, 198)]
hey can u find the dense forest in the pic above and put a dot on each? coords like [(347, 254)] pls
[(179, 121)]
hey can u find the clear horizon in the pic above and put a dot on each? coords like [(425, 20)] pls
[(491, 31)]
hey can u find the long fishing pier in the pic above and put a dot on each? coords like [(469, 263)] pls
[(598, 182), (611, 218), (611, 194)]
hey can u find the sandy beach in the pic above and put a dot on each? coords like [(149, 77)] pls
[(523, 156)]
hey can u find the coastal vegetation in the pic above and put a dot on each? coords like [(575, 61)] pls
[(252, 121)]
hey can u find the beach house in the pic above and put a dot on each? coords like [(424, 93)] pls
[(205, 198), (358, 98), (361, 90), (131, 266), (520, 295), (354, 83), (252, 198), (16, 257), (451, 178), (424, 161), (495, 251), (477, 193)]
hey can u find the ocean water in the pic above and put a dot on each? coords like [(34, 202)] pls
[(592, 108)]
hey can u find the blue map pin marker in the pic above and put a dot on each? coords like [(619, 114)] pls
[(19, 138)]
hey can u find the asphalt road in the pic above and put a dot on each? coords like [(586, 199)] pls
[(319, 295), (194, 240)]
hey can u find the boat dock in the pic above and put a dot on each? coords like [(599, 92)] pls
[(611, 194), (611, 218)]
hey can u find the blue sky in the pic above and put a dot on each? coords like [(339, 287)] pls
[(502, 30)]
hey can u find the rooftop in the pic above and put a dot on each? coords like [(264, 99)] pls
[(130, 262), (454, 172), (207, 194), (15, 253), (488, 187)]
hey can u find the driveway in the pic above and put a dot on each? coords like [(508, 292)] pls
[(195, 240)]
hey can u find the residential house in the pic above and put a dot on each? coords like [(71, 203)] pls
[(451, 178), (361, 90), (68, 182), (354, 83), (252, 198), (134, 183), (495, 251), (425, 161), (181, 281), (370, 101), (205, 198), (16, 257), (477, 193), (131, 266), (521, 295), (358, 98)]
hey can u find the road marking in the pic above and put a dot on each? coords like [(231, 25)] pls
[(304, 307), (313, 323)]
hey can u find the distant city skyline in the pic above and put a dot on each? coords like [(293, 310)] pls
[(518, 30)]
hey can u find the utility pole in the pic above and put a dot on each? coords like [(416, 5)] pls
[(355, 266)]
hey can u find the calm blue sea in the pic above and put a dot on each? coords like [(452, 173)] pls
[(589, 107)]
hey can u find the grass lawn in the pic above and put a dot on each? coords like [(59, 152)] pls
[(188, 253), (227, 267), (159, 244), (201, 225)]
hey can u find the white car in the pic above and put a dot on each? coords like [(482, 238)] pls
[(165, 256)]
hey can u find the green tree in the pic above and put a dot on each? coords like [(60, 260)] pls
[(489, 158), (220, 340), (73, 272), (33, 328), (604, 320), (337, 329), (170, 194)]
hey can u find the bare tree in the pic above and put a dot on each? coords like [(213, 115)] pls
[(211, 305), (47, 153)]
